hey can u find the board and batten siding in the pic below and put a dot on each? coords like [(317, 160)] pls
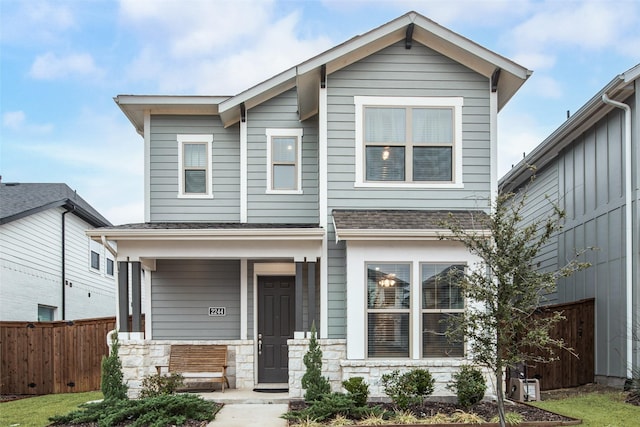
[(280, 112), (182, 292), (31, 269), (399, 72), (225, 170), (541, 197), (591, 183)]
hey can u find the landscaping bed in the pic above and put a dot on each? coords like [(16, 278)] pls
[(426, 412)]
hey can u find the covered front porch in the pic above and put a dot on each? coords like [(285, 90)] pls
[(250, 288)]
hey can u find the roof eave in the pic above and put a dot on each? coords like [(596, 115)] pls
[(619, 88), (312, 234), (399, 234), (134, 106)]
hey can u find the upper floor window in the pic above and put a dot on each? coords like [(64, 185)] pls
[(194, 161), (408, 141), (284, 160), (109, 266), (95, 260)]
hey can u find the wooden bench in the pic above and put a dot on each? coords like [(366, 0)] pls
[(199, 363)]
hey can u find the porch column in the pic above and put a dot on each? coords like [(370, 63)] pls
[(299, 299), (136, 297), (311, 289), (123, 296)]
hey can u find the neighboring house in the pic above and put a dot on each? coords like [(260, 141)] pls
[(589, 168), (315, 197), (49, 268)]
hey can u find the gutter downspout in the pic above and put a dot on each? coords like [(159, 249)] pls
[(64, 272), (628, 228)]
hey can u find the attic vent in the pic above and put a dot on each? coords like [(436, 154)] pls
[(12, 184)]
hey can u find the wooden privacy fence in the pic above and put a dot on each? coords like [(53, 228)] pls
[(577, 330), (53, 357)]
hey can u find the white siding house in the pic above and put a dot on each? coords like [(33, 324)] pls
[(49, 268)]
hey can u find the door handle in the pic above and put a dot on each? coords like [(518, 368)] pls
[(259, 344)]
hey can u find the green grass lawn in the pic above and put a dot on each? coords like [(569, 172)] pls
[(596, 409), (35, 411)]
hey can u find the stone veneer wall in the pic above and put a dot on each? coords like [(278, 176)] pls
[(139, 358), (336, 368)]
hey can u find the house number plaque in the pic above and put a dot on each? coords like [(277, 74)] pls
[(217, 311)]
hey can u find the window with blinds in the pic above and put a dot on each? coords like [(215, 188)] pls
[(441, 300), (388, 309), (194, 162), (409, 144)]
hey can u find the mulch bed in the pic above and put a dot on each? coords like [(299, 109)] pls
[(486, 410)]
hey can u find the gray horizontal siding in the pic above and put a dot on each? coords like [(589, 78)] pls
[(396, 71), (281, 113), (183, 290), (225, 161)]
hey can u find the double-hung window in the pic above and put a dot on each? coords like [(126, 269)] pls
[(284, 160), (441, 299), (388, 309), (408, 141), (95, 260), (194, 161)]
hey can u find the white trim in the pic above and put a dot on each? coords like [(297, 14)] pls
[(243, 170), (493, 138), (296, 133), (417, 253), (453, 102), (148, 316), (256, 234), (147, 165), (244, 304), (206, 139), (323, 184), (399, 234)]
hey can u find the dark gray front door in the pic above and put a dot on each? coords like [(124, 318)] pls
[(276, 320)]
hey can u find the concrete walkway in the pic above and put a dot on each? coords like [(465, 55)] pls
[(244, 408)]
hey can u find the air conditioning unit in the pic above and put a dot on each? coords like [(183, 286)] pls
[(524, 390)]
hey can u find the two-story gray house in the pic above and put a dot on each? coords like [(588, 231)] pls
[(589, 168), (315, 197)]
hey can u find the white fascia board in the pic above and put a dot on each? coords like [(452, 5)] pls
[(209, 234), (230, 108), (409, 234)]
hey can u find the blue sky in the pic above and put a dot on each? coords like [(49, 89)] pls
[(63, 61)]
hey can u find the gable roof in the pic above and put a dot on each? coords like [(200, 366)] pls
[(19, 200), (619, 89), (306, 76)]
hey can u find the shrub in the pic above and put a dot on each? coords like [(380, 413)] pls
[(469, 385), (158, 385), (160, 411), (358, 389), (409, 388), (312, 381), (112, 379), (511, 419)]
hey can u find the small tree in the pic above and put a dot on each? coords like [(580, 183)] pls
[(112, 381), (506, 289), (312, 381)]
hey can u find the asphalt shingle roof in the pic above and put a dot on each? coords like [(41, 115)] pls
[(387, 219), (18, 200), (206, 226)]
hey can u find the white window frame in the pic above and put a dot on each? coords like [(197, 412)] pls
[(454, 103), (423, 310), (288, 133), (207, 140)]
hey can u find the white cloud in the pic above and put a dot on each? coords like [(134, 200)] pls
[(50, 66), (17, 122), (545, 86), (35, 20), (535, 60), (588, 25), (223, 60)]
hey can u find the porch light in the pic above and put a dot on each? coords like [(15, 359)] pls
[(385, 155)]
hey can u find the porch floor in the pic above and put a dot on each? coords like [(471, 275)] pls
[(245, 396)]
